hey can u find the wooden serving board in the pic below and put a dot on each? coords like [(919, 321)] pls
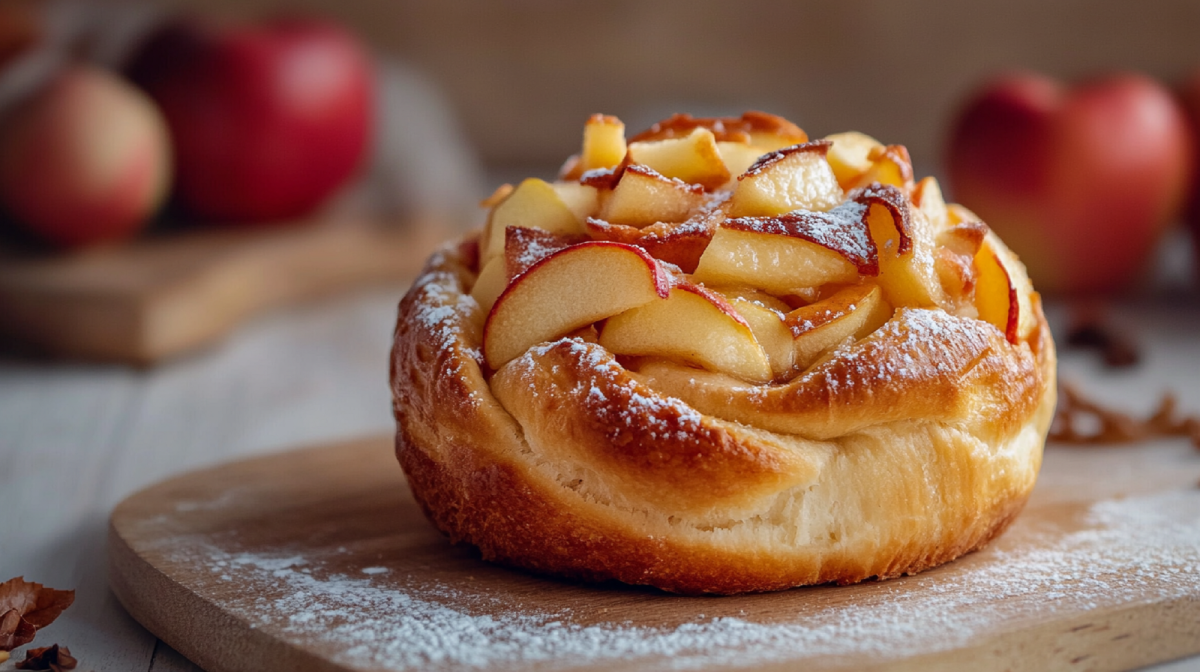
[(164, 295), (319, 559)]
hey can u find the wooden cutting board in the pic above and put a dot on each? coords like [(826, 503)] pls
[(165, 295), (319, 559)]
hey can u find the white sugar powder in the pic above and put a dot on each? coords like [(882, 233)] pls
[(1128, 551)]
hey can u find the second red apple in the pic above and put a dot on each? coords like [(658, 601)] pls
[(267, 121), (1081, 182)]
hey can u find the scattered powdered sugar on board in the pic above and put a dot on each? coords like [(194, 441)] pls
[(1127, 552)]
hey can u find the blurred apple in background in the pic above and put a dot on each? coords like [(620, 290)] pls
[(267, 120), (1189, 94), (1081, 182), (86, 159)]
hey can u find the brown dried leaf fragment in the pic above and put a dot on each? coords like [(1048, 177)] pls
[(26, 607), (14, 631), (36, 603), (56, 658), (1114, 426)]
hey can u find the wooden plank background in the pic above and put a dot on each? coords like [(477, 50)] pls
[(524, 74)]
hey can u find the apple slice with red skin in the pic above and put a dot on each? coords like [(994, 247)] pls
[(792, 178), (904, 240), (694, 325), (852, 312), (1002, 290), (569, 289), (644, 197)]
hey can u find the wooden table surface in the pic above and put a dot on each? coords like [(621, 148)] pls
[(76, 439)]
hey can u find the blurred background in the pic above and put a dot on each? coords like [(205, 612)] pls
[(169, 170)]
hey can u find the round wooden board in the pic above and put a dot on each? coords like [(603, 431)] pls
[(319, 559)]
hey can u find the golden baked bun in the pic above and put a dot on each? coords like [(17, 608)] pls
[(723, 358)]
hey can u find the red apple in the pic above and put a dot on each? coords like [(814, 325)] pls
[(85, 160), (1080, 182), (267, 120)]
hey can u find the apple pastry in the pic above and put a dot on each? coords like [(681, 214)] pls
[(720, 357)]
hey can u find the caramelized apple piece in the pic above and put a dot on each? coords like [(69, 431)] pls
[(791, 253), (678, 244), (889, 165), (761, 129), (524, 247), (852, 312), (603, 142), (693, 325), (644, 197), (793, 178), (693, 158), (904, 240), (849, 157), (568, 290), (738, 156), (533, 204), (1002, 290)]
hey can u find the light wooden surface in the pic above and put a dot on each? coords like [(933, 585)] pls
[(165, 295), (75, 439), (179, 560)]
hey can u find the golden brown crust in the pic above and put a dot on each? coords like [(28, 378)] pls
[(569, 463)]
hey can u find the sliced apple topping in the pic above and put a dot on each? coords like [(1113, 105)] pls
[(693, 158), (793, 178), (766, 320), (904, 240), (791, 253), (849, 156), (927, 196), (738, 156), (525, 247), (568, 290), (679, 244), (603, 142), (693, 325), (534, 204), (644, 197), (760, 129), (890, 164), (581, 199), (490, 283), (1002, 290), (820, 327)]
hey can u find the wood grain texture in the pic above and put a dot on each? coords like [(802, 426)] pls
[(166, 295), (346, 505)]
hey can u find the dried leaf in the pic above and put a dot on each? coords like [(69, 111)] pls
[(35, 603), (1114, 426), (53, 658), (14, 630)]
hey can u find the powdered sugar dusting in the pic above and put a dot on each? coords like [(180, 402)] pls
[(1121, 552)]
